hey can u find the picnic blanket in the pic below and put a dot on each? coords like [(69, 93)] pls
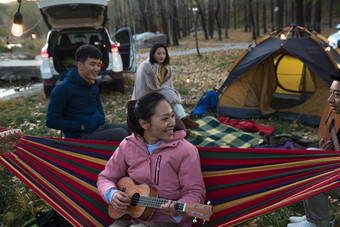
[(247, 125), (213, 133)]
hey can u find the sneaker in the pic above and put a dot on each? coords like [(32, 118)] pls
[(295, 219), (189, 123), (302, 224)]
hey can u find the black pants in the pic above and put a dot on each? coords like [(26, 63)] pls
[(108, 132)]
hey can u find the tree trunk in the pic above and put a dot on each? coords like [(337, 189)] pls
[(251, 19), (226, 26), (184, 18), (124, 20), (235, 10), (150, 13), (280, 14), (245, 16), (317, 16), (264, 17), (308, 14), (228, 13), (164, 18), (257, 17), (224, 13), (174, 21), (218, 20), (202, 15), (120, 15), (196, 38), (330, 13), (143, 20), (286, 14), (132, 17), (292, 14), (191, 19), (272, 14), (299, 13), (211, 18)]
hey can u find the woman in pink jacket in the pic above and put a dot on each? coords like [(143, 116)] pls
[(155, 154), (155, 75)]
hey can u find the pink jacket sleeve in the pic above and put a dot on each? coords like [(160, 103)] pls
[(191, 180), (114, 170)]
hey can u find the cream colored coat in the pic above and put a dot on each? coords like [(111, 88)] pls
[(146, 81)]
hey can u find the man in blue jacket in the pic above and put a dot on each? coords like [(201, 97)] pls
[(75, 107)]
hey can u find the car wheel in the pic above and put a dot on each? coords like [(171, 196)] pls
[(47, 90)]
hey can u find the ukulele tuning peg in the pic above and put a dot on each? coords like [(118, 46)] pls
[(203, 222), (194, 220), (208, 203)]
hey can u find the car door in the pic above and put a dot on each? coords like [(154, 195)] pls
[(126, 49)]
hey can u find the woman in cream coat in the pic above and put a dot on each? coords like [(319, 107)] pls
[(154, 75)]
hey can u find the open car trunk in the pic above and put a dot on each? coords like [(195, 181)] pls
[(66, 43), (63, 14)]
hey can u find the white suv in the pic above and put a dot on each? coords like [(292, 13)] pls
[(73, 23)]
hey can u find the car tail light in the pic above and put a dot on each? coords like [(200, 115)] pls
[(114, 48), (116, 75), (48, 81), (44, 53)]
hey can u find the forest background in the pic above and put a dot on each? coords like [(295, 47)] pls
[(177, 18)]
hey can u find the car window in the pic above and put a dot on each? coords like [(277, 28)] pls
[(66, 39)]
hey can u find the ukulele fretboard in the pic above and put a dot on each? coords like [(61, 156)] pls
[(154, 202)]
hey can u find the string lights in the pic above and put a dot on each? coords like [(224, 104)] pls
[(188, 80), (33, 35), (328, 48), (17, 29), (283, 37), (8, 45)]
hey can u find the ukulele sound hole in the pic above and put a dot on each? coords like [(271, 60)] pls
[(134, 199)]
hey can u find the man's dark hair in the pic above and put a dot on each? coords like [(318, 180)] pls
[(87, 51), (153, 50), (336, 75)]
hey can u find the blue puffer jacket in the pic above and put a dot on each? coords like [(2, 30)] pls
[(74, 102)]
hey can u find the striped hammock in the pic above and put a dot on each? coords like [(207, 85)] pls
[(241, 184)]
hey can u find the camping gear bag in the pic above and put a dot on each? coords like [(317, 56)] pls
[(206, 105), (47, 218)]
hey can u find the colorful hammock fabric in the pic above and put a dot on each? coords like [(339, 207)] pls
[(241, 184)]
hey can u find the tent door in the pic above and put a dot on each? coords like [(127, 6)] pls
[(296, 83)]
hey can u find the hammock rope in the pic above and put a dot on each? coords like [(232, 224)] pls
[(241, 184)]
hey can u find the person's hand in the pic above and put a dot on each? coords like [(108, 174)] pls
[(82, 127), (326, 145), (120, 201), (169, 208)]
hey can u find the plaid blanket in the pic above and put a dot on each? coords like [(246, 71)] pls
[(213, 133)]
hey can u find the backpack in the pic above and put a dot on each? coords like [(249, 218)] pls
[(47, 218), (206, 105)]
